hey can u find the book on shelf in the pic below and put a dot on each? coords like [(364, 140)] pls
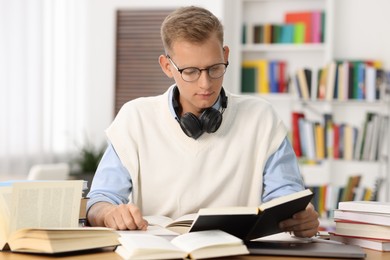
[(374, 244), (45, 206), (349, 191), (296, 138), (195, 245), (304, 18), (304, 83), (252, 222)]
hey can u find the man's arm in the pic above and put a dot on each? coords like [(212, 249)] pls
[(282, 177), (109, 196)]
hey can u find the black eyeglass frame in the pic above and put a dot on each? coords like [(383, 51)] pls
[(200, 70)]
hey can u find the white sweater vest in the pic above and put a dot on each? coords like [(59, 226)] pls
[(173, 174)]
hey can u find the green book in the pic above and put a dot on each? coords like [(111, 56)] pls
[(299, 33), (248, 79)]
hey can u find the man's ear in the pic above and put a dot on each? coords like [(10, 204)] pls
[(165, 65), (226, 53)]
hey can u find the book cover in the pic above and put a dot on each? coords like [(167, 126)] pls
[(375, 244), (296, 139), (319, 136), (252, 222), (262, 74), (303, 84), (306, 19), (282, 81), (365, 206), (316, 27), (349, 228), (248, 79), (363, 217), (273, 76)]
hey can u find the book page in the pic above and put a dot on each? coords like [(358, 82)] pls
[(164, 221), (5, 204), (195, 240), (152, 230), (146, 246), (45, 204)]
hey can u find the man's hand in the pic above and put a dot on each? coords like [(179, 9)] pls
[(120, 217), (303, 224)]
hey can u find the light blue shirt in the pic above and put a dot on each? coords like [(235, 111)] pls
[(112, 182)]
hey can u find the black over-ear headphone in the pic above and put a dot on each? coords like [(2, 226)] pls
[(209, 121)]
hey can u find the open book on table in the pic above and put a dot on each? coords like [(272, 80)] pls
[(195, 245), (43, 217), (249, 223), (162, 225), (61, 240)]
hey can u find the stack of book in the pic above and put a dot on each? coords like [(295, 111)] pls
[(363, 223)]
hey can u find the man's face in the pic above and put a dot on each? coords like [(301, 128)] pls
[(202, 93)]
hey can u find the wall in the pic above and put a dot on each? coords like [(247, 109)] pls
[(361, 31)]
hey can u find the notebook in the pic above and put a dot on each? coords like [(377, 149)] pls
[(305, 249)]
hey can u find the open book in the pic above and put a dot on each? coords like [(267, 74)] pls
[(34, 214), (252, 222), (196, 245), (162, 225), (60, 240)]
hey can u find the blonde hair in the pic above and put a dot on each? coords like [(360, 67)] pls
[(192, 24)]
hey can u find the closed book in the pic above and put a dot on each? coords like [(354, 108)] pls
[(375, 244), (287, 33), (304, 18), (296, 139), (299, 33), (364, 217), (316, 27), (262, 77), (303, 82), (319, 134), (282, 80), (273, 76), (365, 206), (248, 79), (349, 228), (252, 222)]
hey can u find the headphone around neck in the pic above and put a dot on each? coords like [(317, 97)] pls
[(209, 121)]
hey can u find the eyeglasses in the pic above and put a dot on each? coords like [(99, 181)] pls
[(190, 74)]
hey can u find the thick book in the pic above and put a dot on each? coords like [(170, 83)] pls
[(365, 206), (195, 245), (252, 222), (375, 244), (363, 217), (61, 240), (351, 228), (34, 213)]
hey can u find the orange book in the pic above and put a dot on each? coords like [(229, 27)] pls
[(302, 17)]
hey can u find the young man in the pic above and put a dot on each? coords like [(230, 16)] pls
[(196, 145)]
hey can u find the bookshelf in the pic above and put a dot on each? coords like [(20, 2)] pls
[(313, 55)]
